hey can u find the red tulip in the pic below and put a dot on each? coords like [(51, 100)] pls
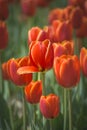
[(28, 7), (66, 47), (33, 92), (55, 14), (3, 35), (14, 76), (50, 106), (83, 60), (43, 3), (41, 57), (63, 32), (5, 74), (67, 70), (4, 9), (76, 17), (82, 31)]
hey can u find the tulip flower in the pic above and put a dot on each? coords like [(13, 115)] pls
[(5, 73), (14, 76), (3, 35), (76, 17), (43, 3), (41, 57), (28, 7), (62, 31), (83, 60), (37, 34), (4, 9), (67, 70), (50, 106), (66, 47), (55, 14), (82, 31), (33, 92)]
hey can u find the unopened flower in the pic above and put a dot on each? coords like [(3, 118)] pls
[(50, 106), (3, 35), (83, 60), (33, 92), (67, 70)]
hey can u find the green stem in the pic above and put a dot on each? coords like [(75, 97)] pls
[(50, 124), (70, 109), (24, 110), (10, 108), (0, 74), (11, 118), (65, 108), (43, 82), (34, 114), (38, 75)]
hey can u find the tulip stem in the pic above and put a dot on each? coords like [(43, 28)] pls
[(39, 75), (24, 111), (65, 109), (43, 82), (70, 109), (50, 124), (0, 74)]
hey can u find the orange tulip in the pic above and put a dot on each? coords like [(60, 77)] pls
[(41, 57), (63, 31), (33, 92), (4, 9), (66, 47), (37, 34), (33, 33), (50, 106), (3, 35), (83, 60), (67, 70), (14, 76)]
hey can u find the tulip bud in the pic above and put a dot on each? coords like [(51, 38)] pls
[(50, 106), (33, 92), (67, 70), (3, 35)]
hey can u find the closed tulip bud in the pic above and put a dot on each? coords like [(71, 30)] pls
[(3, 35), (43, 3), (82, 31), (55, 14), (63, 32), (83, 60), (28, 7), (76, 17), (33, 92), (67, 70), (50, 106), (33, 34), (66, 47), (4, 9)]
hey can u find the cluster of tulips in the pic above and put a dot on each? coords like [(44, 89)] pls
[(51, 47)]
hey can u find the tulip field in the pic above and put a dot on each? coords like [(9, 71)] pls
[(43, 64)]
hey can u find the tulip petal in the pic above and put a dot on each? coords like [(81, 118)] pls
[(27, 70)]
